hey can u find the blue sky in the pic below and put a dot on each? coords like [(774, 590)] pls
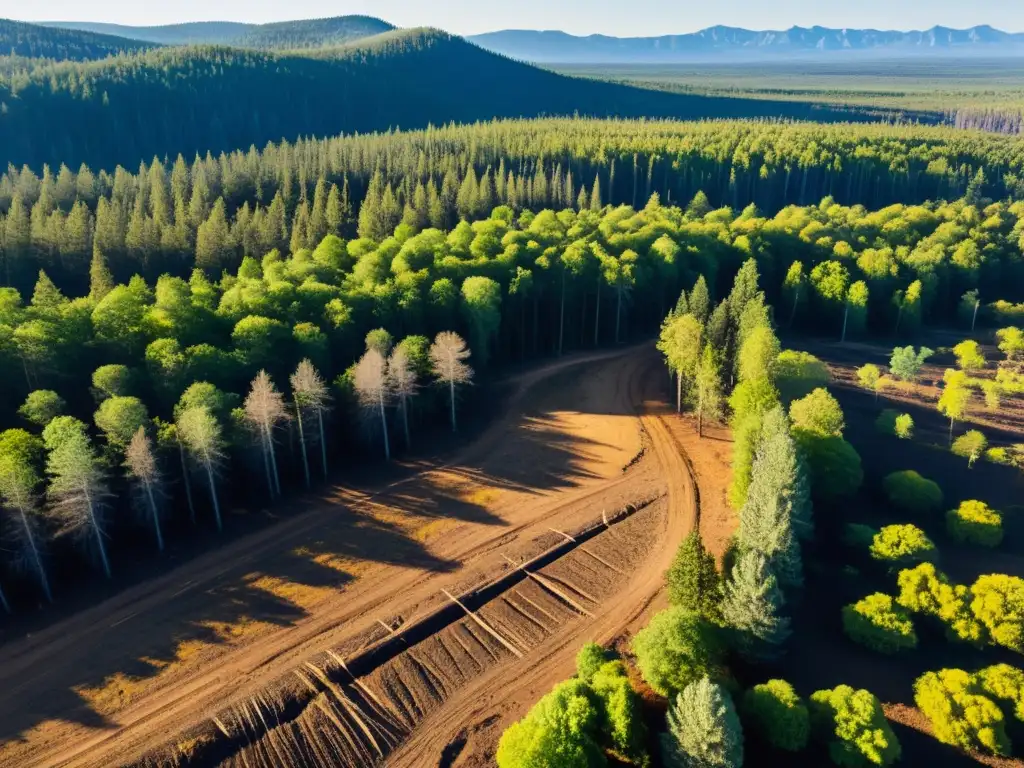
[(613, 17)]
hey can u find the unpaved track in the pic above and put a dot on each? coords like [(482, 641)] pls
[(554, 459)]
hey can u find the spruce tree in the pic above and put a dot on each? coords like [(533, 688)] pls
[(101, 282), (693, 581), (704, 730), (700, 300), (751, 609)]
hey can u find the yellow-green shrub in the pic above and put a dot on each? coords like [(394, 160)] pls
[(959, 715), (997, 601), (621, 722), (776, 712), (561, 729), (878, 623), (927, 591), (1001, 681), (911, 491), (854, 726), (974, 522), (902, 545)]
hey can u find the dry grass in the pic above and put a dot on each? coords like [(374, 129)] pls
[(433, 529), (482, 497), (302, 595)]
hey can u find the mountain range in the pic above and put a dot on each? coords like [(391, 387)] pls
[(720, 42)]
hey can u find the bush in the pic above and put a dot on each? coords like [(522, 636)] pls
[(676, 648), (892, 422), (971, 446), (974, 522), (910, 491), (904, 427), (834, 465), (774, 710), (959, 716), (997, 601), (590, 659), (927, 591), (999, 456), (798, 374), (622, 724), (879, 624), (818, 413), (561, 729), (1006, 683), (854, 726), (902, 545)]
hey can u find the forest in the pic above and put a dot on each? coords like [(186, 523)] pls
[(128, 108)]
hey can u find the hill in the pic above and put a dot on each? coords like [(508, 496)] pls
[(312, 33), (170, 100), (285, 35), (34, 41), (192, 33), (724, 42)]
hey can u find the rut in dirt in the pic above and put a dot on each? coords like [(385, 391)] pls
[(355, 712)]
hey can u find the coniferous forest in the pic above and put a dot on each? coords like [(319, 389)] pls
[(220, 289)]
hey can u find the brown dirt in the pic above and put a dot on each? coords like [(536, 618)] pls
[(117, 680)]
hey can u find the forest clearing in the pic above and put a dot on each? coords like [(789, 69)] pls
[(228, 624)]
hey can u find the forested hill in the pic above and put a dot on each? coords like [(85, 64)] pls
[(34, 41), (191, 33), (312, 33), (186, 100)]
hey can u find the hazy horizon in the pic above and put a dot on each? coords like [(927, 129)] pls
[(642, 18)]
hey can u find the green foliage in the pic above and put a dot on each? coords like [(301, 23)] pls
[(971, 446), (590, 658), (113, 381), (997, 601), (752, 608), (959, 716), (819, 414), (561, 730), (870, 377), (974, 522), (622, 725), (834, 465), (692, 579), (121, 417), (798, 374), (903, 545), (704, 730), (481, 298), (1011, 342), (859, 536), (878, 623), (906, 362), (42, 406), (777, 713), (853, 725), (904, 426), (676, 648), (1005, 683), (910, 491), (969, 356)]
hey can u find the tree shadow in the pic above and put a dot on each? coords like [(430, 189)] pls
[(165, 616)]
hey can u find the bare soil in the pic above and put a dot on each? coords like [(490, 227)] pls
[(355, 563)]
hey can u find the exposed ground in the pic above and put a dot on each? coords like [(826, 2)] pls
[(357, 563)]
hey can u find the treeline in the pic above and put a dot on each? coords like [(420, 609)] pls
[(311, 33), (1005, 120), (31, 41), (290, 195), (127, 108)]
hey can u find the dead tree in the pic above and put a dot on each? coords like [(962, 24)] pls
[(264, 412), (404, 385), (140, 461), (311, 396), (448, 354), (374, 389)]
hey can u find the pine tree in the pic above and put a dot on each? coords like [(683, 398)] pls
[(751, 609), (700, 300), (213, 240), (704, 730), (145, 474), (332, 213), (705, 395), (692, 579), (101, 282), (595, 195)]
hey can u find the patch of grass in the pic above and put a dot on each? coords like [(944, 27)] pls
[(304, 596), (433, 529)]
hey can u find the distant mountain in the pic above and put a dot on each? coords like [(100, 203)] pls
[(192, 33), (194, 99), (722, 42), (285, 35), (311, 33), (33, 41)]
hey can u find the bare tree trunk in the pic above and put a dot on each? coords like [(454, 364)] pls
[(618, 314), (323, 440), (213, 493), (99, 535), (405, 421), (384, 428), (188, 483), (974, 320), (156, 517), (266, 466), (846, 317), (796, 301), (302, 442), (597, 313), (3, 600), (451, 385), (43, 581), (273, 462)]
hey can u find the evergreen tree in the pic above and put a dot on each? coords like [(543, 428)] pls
[(700, 300), (692, 580), (704, 730), (751, 609), (213, 240), (706, 393)]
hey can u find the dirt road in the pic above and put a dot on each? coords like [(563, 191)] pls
[(113, 682)]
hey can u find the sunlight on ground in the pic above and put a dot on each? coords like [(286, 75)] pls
[(302, 595), (433, 529), (482, 497)]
